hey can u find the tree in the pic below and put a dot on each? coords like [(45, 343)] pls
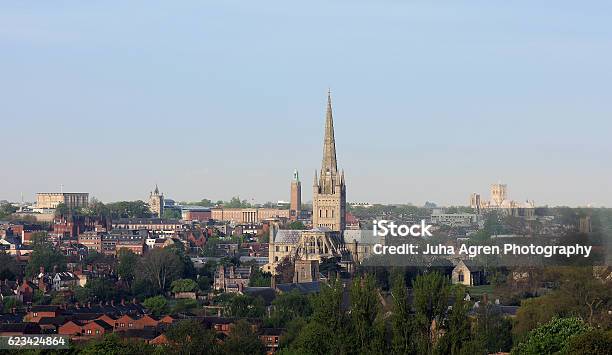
[(44, 255), (191, 337), (111, 344), (259, 278), (160, 267), (6, 209), (367, 324), (129, 209), (184, 285), (157, 305), (9, 268), (246, 306), (492, 329), (592, 342), (551, 337), (126, 265), (171, 213), (297, 225), (83, 295), (285, 270), (457, 326), (287, 307), (430, 301), (184, 305), (401, 321), (102, 289), (10, 303), (243, 340)]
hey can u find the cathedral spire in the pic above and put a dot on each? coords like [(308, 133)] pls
[(329, 163)]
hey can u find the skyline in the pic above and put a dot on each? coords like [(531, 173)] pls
[(201, 100)]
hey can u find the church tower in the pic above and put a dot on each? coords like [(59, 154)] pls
[(156, 202), (295, 208), (329, 189)]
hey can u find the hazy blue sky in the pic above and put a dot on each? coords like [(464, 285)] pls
[(214, 99)]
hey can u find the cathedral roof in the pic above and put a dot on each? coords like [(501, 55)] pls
[(287, 236)]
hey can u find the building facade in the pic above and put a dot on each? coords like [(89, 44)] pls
[(329, 189), (247, 215), (50, 200)]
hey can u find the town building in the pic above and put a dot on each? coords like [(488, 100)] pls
[(50, 200), (247, 215)]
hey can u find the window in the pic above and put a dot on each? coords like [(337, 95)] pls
[(89, 331), (461, 277)]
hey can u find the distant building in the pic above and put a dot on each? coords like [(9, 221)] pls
[(156, 202), (468, 273), (306, 271), (498, 193), (453, 219), (232, 279), (295, 207), (247, 215), (585, 225), (50, 200), (499, 201), (196, 213)]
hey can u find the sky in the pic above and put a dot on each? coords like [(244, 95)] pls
[(432, 100)]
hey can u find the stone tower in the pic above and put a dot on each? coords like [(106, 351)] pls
[(329, 189), (156, 202), (296, 197), (498, 194)]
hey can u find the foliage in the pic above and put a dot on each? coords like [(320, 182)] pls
[(430, 301), (159, 267), (296, 225), (10, 303), (9, 268), (235, 202), (243, 340), (184, 285), (289, 306), (401, 321), (592, 342), (6, 209), (111, 344), (157, 305), (190, 337), (102, 289), (246, 306), (44, 255), (259, 278), (457, 326), (551, 337), (129, 209), (367, 324), (126, 264), (204, 283), (171, 213), (184, 305), (493, 330)]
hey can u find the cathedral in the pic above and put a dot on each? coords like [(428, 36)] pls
[(328, 237)]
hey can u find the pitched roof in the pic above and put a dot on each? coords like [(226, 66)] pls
[(287, 236)]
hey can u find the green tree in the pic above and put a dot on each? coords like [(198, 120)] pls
[(297, 225), (127, 261), (367, 324), (10, 303), (259, 278), (6, 209), (111, 344), (191, 337), (287, 307), (9, 268), (159, 267), (157, 305), (430, 302), (457, 326), (401, 321), (184, 305), (171, 213), (44, 255), (129, 209), (493, 329), (184, 285), (551, 337), (246, 306), (243, 340), (592, 342)]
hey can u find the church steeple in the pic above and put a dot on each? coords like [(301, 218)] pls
[(329, 164)]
